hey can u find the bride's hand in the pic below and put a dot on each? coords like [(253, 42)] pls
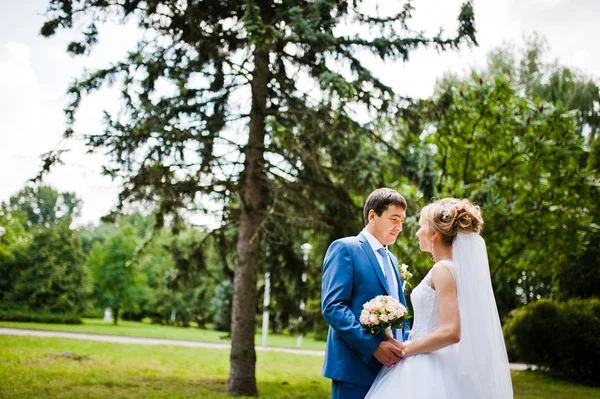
[(401, 346)]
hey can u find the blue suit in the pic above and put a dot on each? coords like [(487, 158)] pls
[(352, 276)]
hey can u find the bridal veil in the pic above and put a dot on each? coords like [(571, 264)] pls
[(483, 363)]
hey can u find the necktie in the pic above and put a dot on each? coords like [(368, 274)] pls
[(389, 273), (390, 276)]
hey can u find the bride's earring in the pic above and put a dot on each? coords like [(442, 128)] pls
[(432, 247), (432, 253)]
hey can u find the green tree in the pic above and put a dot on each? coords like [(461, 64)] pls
[(41, 259), (53, 276), (519, 159), (45, 206), (13, 245), (221, 306), (185, 282), (280, 71), (180, 270), (92, 233), (580, 277), (560, 85), (580, 94), (118, 282)]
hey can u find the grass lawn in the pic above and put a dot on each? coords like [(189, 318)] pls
[(535, 385), (32, 367), (137, 329)]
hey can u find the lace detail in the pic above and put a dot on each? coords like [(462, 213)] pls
[(426, 309)]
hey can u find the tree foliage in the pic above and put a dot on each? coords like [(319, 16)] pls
[(118, 282), (499, 138), (519, 159), (13, 245), (45, 206), (41, 258), (52, 274)]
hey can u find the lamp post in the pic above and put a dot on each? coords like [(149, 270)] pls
[(306, 248), (266, 300)]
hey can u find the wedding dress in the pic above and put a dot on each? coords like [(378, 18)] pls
[(477, 366)]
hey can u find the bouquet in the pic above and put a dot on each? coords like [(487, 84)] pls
[(382, 313)]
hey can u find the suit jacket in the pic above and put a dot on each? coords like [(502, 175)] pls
[(352, 276)]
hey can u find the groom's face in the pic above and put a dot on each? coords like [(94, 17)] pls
[(387, 226)]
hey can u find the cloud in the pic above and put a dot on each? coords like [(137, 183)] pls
[(32, 123), (34, 75), (24, 114), (17, 79), (571, 29)]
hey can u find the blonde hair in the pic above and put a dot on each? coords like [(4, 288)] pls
[(449, 216)]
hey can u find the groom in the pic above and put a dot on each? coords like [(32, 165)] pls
[(356, 270)]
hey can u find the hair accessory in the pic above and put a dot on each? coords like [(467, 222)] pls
[(445, 213)]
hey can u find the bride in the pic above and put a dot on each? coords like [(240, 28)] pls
[(455, 349)]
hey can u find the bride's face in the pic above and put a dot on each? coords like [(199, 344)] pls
[(424, 235)]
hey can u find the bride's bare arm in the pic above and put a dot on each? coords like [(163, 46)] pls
[(448, 333)]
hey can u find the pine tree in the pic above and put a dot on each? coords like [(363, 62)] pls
[(257, 91)]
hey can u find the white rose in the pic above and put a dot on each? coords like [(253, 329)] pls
[(373, 319)]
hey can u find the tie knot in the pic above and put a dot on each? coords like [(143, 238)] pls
[(382, 252)]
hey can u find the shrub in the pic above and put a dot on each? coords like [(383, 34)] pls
[(35, 317), (93, 313), (563, 337)]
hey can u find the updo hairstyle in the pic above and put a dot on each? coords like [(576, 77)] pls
[(449, 216)]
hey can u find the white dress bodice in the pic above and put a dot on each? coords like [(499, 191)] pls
[(427, 375), (426, 308)]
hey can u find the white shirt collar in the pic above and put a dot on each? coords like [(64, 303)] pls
[(374, 242)]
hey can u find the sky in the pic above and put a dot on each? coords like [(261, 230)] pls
[(35, 73)]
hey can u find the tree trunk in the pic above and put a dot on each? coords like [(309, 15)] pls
[(116, 316), (242, 376)]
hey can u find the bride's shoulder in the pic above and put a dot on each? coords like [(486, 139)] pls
[(443, 268), (444, 263)]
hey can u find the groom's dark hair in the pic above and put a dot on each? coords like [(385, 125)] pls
[(380, 199)]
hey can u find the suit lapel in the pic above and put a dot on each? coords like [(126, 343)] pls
[(395, 267), (373, 259)]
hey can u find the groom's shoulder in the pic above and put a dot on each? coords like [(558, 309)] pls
[(350, 242), (342, 247)]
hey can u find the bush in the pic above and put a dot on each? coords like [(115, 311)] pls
[(93, 313), (563, 337), (35, 317)]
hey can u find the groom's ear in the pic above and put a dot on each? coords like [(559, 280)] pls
[(371, 215)]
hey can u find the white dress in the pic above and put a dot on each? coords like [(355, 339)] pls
[(431, 375)]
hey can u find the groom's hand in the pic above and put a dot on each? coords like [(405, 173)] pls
[(387, 353)]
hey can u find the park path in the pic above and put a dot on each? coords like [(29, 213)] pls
[(145, 341), (163, 341)]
